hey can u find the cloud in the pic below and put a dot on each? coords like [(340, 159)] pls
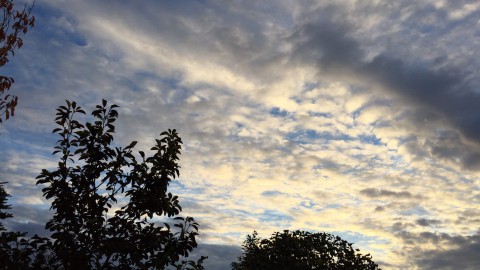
[(31, 228), (28, 219), (375, 193), (445, 251), (445, 92), (427, 222)]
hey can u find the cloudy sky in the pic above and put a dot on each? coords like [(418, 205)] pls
[(357, 118)]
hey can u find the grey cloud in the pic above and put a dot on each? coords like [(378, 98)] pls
[(452, 252), (468, 216), (445, 91), (400, 228), (461, 253), (326, 42), (376, 193), (427, 222), (412, 239), (31, 213), (31, 228), (29, 219)]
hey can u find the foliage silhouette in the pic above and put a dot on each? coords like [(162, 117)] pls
[(19, 252), (301, 250), (93, 179), (12, 25)]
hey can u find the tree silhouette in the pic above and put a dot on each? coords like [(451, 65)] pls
[(18, 251), (6, 237), (13, 24), (104, 198), (301, 250)]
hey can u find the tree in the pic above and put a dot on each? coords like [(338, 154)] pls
[(16, 250), (13, 24), (301, 250), (93, 179), (8, 240), (6, 237)]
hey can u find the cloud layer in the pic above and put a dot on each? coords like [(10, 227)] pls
[(356, 118)]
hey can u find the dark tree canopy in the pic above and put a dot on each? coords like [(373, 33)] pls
[(13, 24), (104, 198), (301, 250)]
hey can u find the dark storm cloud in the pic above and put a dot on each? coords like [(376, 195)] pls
[(445, 91), (375, 193)]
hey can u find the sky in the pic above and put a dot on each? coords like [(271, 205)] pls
[(356, 118)]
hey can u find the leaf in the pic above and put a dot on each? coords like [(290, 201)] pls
[(132, 144)]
